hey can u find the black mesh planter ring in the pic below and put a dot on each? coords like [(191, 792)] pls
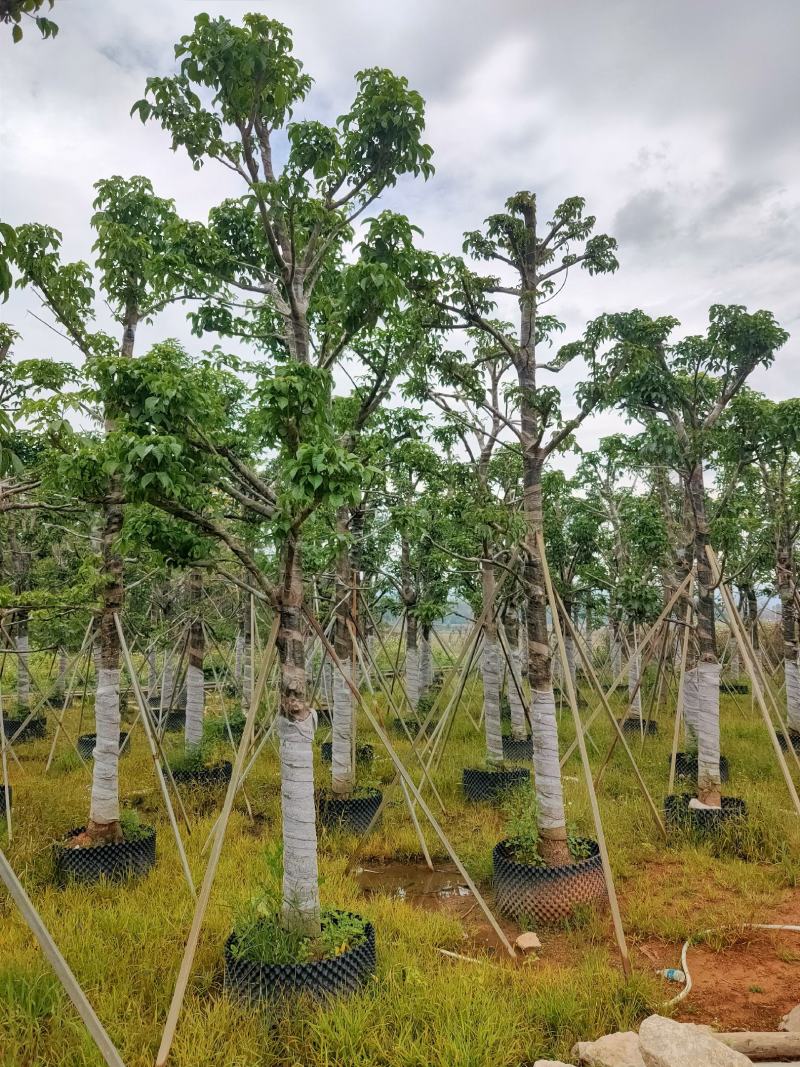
[(489, 785), (364, 753), (218, 774), (686, 766), (635, 726), (352, 813), (678, 814), (35, 728), (546, 895), (3, 799), (518, 751), (794, 737), (115, 860), (86, 743), (342, 974)]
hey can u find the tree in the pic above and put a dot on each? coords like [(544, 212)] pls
[(538, 260), (679, 390), (12, 12), (282, 281)]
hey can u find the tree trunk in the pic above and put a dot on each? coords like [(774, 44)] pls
[(103, 822), (519, 730), (425, 660), (547, 772), (23, 662), (61, 677), (343, 775), (634, 685), (412, 661), (490, 668), (569, 645), (752, 618), (785, 575), (296, 724), (195, 680), (708, 668)]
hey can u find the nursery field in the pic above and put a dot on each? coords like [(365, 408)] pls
[(124, 941)]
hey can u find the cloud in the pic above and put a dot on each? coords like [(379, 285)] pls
[(679, 123)]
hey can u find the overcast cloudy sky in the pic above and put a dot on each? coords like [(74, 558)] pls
[(678, 122)]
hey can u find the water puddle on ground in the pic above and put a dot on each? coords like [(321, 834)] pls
[(414, 883)]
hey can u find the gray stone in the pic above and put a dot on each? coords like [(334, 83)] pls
[(791, 1021), (551, 1063), (665, 1043), (613, 1050)]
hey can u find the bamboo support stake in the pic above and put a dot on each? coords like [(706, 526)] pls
[(59, 964), (596, 682), (6, 786), (157, 757), (748, 652), (587, 770), (679, 707), (409, 782), (68, 697), (644, 642), (211, 869)]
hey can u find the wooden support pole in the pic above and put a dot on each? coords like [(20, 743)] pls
[(211, 868), (589, 668), (748, 652), (587, 770), (158, 756), (59, 964), (409, 782)]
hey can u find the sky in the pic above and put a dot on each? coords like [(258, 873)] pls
[(678, 122)]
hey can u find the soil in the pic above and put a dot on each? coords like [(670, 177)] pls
[(749, 985)]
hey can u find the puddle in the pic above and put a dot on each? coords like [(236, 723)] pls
[(415, 883), (439, 890)]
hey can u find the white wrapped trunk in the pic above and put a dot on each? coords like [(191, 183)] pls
[(691, 707), (105, 782), (735, 662), (519, 729), (23, 672), (152, 673), (168, 683), (412, 676), (546, 769), (490, 668), (195, 700), (634, 688), (342, 777), (708, 727), (247, 674), (239, 652), (615, 652), (300, 875), (61, 679), (792, 694), (425, 664), (569, 648), (327, 681)]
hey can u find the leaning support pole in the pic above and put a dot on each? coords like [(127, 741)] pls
[(746, 648), (409, 782), (213, 861), (59, 964), (587, 770), (154, 751), (596, 683), (679, 709), (649, 636)]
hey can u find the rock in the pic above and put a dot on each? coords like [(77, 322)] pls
[(665, 1043), (551, 1063), (614, 1050), (791, 1022), (528, 942)]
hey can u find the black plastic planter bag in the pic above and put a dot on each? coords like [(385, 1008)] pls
[(86, 743), (336, 976), (219, 774), (518, 751), (686, 766), (546, 895), (634, 726), (353, 813), (36, 728), (486, 785), (116, 860), (364, 753), (679, 815)]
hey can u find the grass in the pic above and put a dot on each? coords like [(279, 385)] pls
[(125, 942)]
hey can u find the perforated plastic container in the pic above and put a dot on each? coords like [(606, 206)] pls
[(525, 892)]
